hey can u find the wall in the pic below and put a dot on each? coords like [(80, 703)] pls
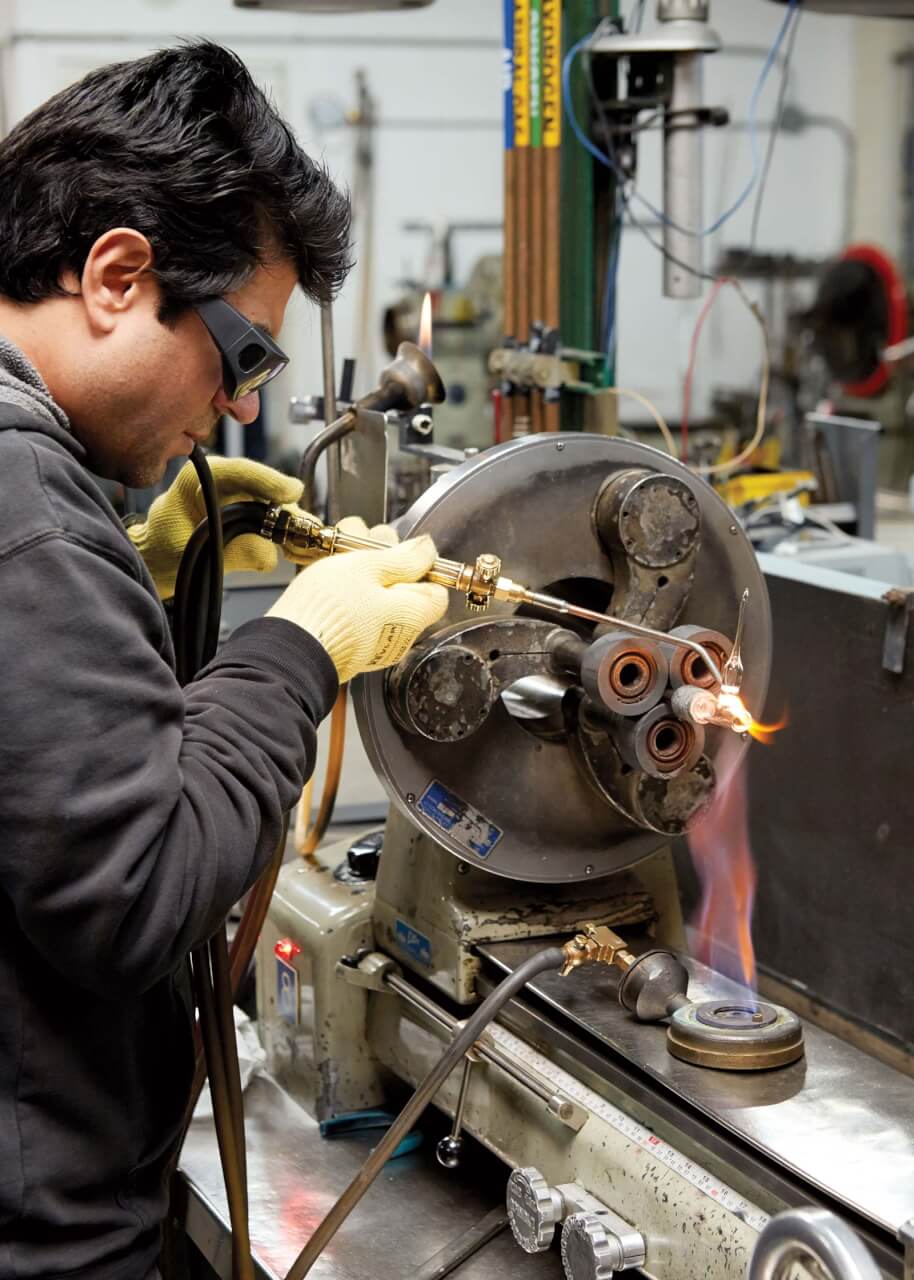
[(436, 76)]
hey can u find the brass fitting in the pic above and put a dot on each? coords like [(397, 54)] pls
[(483, 582), (596, 945)]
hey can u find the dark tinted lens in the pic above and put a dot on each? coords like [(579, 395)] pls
[(250, 356)]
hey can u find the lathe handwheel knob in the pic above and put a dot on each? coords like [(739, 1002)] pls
[(589, 1250), (448, 1151), (534, 1209)]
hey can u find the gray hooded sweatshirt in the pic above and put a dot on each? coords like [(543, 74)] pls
[(133, 814)]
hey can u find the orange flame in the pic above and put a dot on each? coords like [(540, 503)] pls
[(723, 861), (733, 712), (765, 732), (425, 326)]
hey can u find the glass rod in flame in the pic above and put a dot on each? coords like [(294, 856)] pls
[(425, 326)]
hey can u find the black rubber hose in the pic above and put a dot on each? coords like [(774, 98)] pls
[(213, 611), (550, 958), (195, 583)]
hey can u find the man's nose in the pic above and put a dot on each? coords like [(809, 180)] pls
[(244, 410)]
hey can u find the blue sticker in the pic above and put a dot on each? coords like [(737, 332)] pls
[(462, 823), (414, 943), (287, 1003)]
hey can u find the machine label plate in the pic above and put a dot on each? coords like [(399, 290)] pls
[(414, 943), (637, 1133), (461, 822), (287, 1002)]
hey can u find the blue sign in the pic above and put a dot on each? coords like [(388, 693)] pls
[(287, 1003), (414, 943), (463, 824)]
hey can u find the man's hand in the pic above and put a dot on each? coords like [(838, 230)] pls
[(367, 608), (162, 536)]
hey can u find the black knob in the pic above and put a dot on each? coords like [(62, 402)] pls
[(362, 857)]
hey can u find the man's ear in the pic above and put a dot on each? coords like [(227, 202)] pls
[(117, 276)]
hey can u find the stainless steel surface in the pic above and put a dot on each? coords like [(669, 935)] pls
[(811, 1235), (532, 499), (294, 1175), (362, 470), (849, 448), (561, 1107), (682, 180), (838, 1119), (831, 806), (455, 1254)]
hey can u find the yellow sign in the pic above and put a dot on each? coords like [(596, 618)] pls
[(552, 73), (521, 88)]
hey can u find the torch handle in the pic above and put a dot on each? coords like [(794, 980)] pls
[(479, 582)]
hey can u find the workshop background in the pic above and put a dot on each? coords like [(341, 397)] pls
[(434, 78), (499, 792)]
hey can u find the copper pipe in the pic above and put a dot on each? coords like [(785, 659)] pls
[(537, 282), (522, 419), (315, 834), (522, 277), (509, 279), (537, 194), (552, 196)]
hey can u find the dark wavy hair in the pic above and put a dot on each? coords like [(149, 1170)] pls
[(183, 147)]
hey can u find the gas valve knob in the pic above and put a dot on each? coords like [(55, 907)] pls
[(534, 1209), (483, 582)]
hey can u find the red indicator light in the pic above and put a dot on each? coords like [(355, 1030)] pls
[(287, 950)]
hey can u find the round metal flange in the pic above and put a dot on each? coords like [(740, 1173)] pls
[(502, 798), (735, 1035)]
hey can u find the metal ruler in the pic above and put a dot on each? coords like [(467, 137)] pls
[(637, 1133)]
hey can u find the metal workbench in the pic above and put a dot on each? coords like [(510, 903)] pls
[(414, 1210)]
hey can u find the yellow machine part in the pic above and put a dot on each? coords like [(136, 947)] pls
[(757, 485)]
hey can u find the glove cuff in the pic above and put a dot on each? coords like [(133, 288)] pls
[(332, 626)]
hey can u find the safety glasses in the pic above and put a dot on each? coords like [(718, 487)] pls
[(250, 357)]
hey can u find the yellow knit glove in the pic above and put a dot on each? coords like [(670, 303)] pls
[(172, 518), (367, 608)]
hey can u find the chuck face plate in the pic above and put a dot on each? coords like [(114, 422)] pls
[(534, 786), (735, 1035)]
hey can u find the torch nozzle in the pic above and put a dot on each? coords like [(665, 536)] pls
[(408, 381)]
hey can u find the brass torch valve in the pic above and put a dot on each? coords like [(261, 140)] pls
[(479, 582), (597, 944)]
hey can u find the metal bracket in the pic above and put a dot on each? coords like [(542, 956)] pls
[(369, 971), (900, 601)]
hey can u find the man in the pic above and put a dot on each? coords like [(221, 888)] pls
[(132, 813)]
